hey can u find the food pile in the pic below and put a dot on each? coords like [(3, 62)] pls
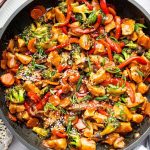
[(78, 75)]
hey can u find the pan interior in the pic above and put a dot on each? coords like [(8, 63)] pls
[(124, 9)]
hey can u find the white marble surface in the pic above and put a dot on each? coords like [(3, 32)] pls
[(16, 145)]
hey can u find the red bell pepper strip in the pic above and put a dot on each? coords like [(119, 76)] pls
[(122, 44), (118, 27), (109, 52), (114, 46), (33, 96), (90, 7), (69, 13), (103, 112), (139, 59), (60, 68), (113, 81), (40, 105), (130, 92), (59, 133), (64, 30), (88, 30), (103, 6), (29, 109), (71, 40)]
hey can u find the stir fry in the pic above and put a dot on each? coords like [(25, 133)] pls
[(78, 75)]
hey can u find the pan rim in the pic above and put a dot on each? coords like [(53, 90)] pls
[(20, 138)]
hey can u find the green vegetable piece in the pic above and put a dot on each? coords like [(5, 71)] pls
[(131, 45), (138, 26), (74, 139), (16, 94), (41, 131), (49, 106), (86, 98), (126, 53), (79, 83), (112, 125), (147, 54), (92, 18), (48, 74), (113, 70), (101, 98), (118, 58)]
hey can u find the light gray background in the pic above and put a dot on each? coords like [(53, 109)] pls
[(9, 7)]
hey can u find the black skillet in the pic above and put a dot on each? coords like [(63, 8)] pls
[(15, 25)]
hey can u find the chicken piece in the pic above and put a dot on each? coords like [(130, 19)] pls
[(88, 131), (57, 144), (11, 45), (99, 118), (139, 99), (85, 41), (50, 14), (21, 43), (89, 113), (54, 58), (137, 118), (134, 36), (62, 38), (60, 17), (119, 143), (110, 26), (29, 86), (32, 122), (99, 48), (135, 75), (96, 91), (87, 144), (24, 59), (11, 61), (55, 32), (110, 139), (142, 88), (14, 108), (144, 41), (3, 64), (122, 112), (127, 26), (124, 127), (98, 77), (95, 4), (147, 109)]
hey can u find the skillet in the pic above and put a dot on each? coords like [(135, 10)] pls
[(15, 25)]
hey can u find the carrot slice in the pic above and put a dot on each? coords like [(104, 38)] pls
[(7, 79), (42, 8), (31, 44), (36, 13)]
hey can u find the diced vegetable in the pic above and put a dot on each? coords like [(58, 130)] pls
[(40, 131), (16, 94)]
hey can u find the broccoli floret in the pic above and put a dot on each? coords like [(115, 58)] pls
[(16, 94), (48, 74), (147, 54), (118, 58), (126, 53), (131, 45), (41, 132), (63, 7)]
